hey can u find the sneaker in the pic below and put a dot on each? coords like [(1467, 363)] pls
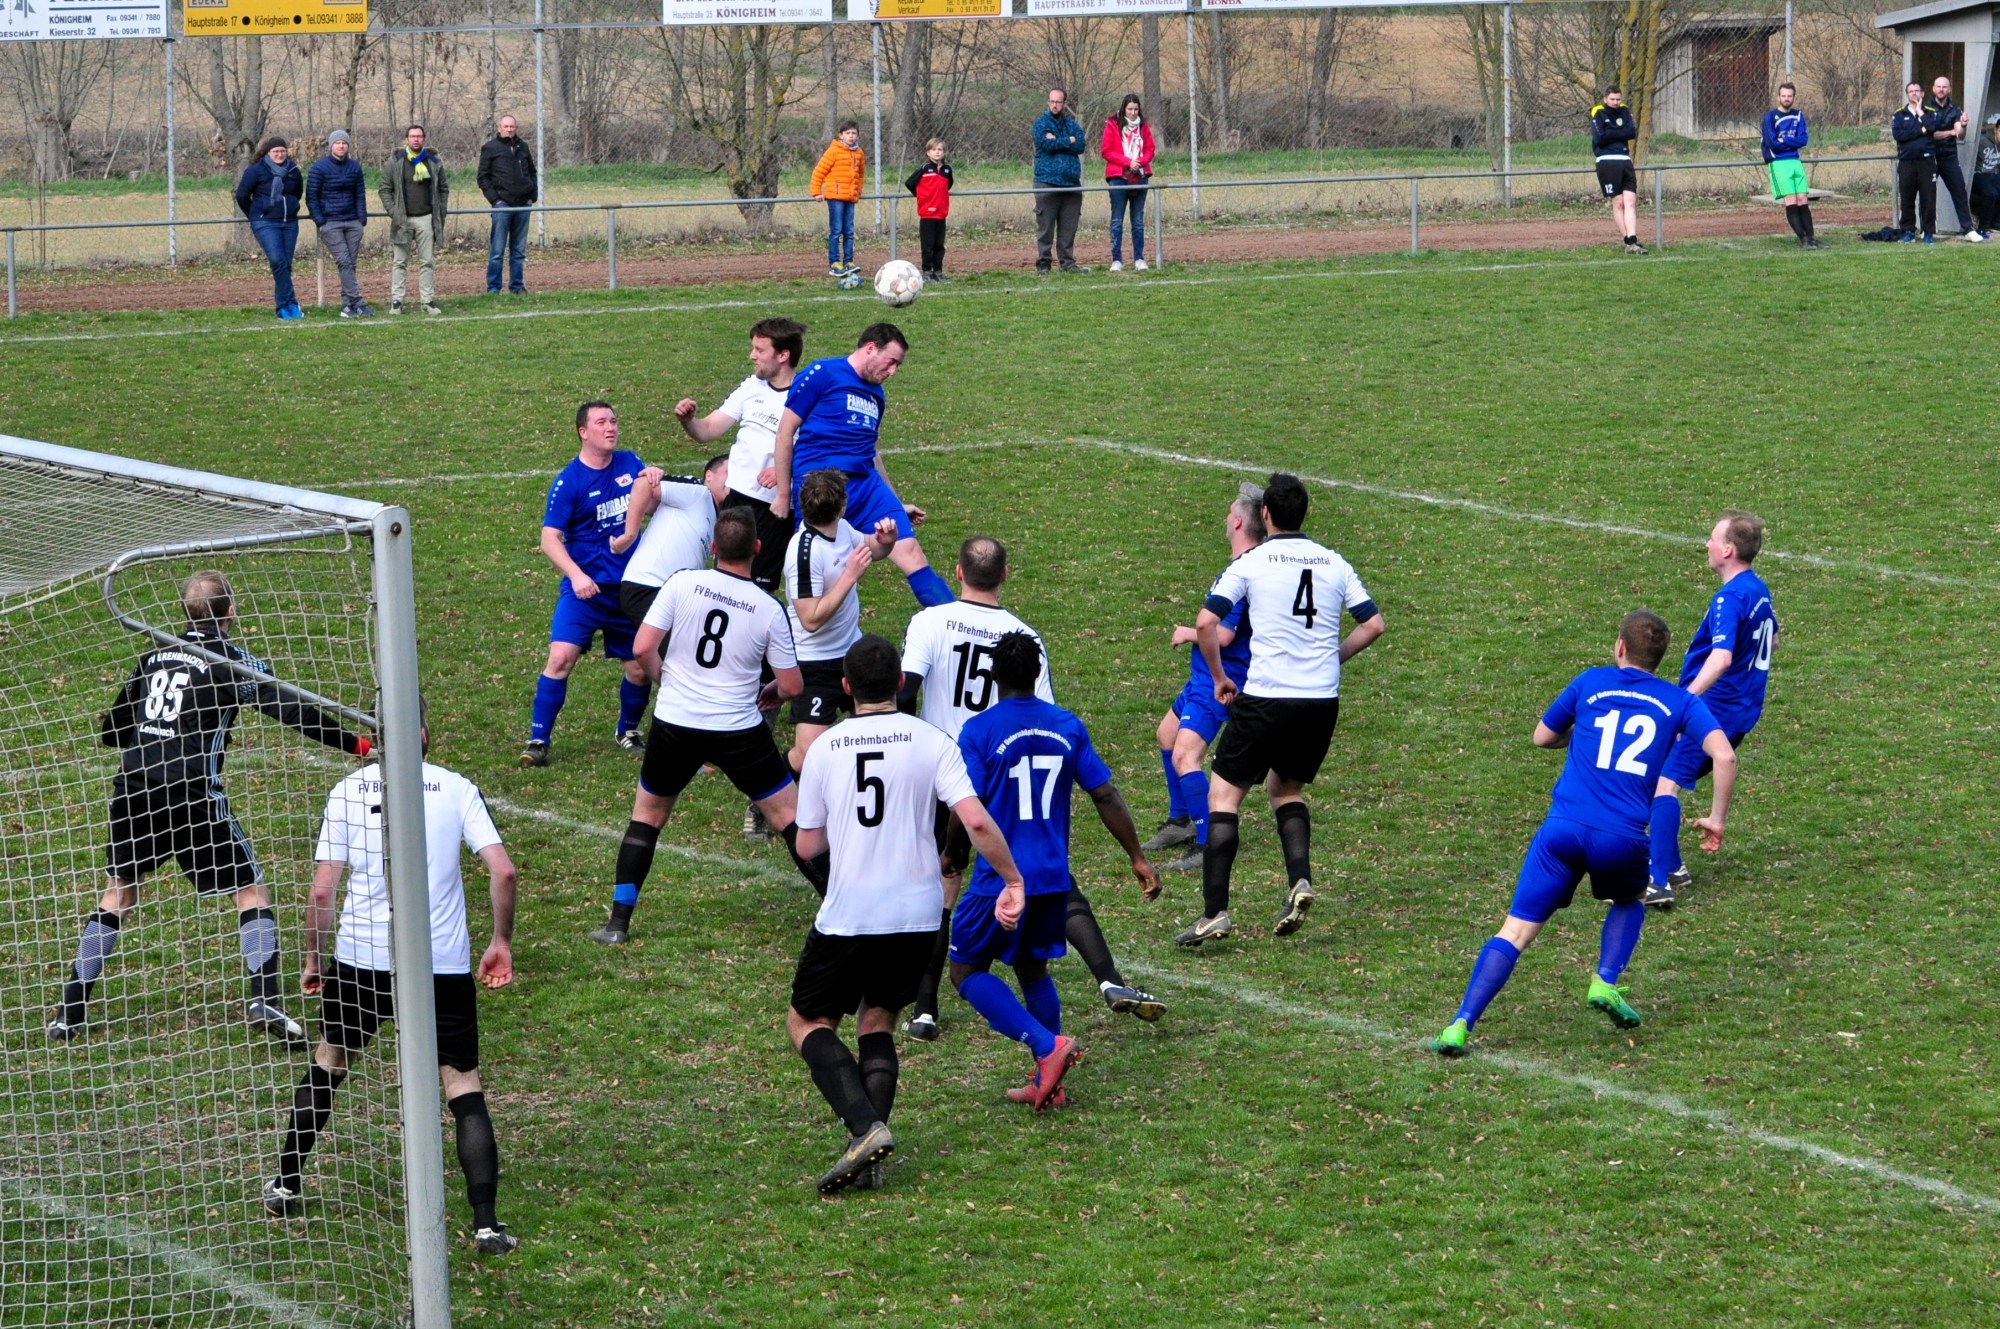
[(1611, 1000), (1929, 239), (1131, 1001), (395, 306), (923, 1028), (495, 1240), (1138, 265), (363, 309), (279, 1199), (1173, 831), (871, 1178), (1116, 266), (1658, 896), (755, 828), (1026, 1094), (1973, 236), (265, 1015), (432, 309), (1041, 269), (872, 1146), (536, 753), (1680, 878), (609, 934), (937, 277), (1293, 916), (1451, 1043), (1812, 244), (835, 270), (1188, 862), (1634, 247), (290, 312), (1049, 1070), (1077, 269), (1907, 238), (1205, 929), (631, 740), (62, 1031), (349, 311)]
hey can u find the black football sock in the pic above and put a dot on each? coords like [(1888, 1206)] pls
[(838, 1076), (878, 1072), (312, 1104), (1805, 219), (1083, 933), (257, 934), (813, 869), (927, 987), (478, 1156), (100, 939), (1295, 839), (635, 860), (1218, 859)]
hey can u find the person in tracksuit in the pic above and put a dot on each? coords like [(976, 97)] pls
[(1784, 135), (1986, 179), (1613, 128), (1916, 166), (931, 183), (268, 195), (1948, 125)]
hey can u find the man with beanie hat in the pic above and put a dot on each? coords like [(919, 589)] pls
[(337, 201), (415, 195)]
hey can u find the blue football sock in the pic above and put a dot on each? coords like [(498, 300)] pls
[(632, 703), (550, 694), (996, 1002), (1490, 973), (1665, 836), (1621, 934), (1194, 793), (1175, 807), (1042, 1003), (929, 588)]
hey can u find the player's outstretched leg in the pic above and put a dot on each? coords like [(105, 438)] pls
[(100, 939), (1080, 929), (1490, 973), (1218, 859), (479, 1160), (1010, 1017), (1665, 870), (929, 588), (1622, 924)]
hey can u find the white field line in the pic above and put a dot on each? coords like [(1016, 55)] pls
[(744, 866), (1665, 1104), (190, 1265), (765, 302)]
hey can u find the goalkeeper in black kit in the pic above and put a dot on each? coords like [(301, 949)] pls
[(171, 724)]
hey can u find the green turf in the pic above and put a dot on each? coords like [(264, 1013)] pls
[(1281, 1148)]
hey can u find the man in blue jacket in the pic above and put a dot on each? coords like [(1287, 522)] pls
[(268, 196), (1058, 183), (1784, 134), (1916, 166), (337, 201)]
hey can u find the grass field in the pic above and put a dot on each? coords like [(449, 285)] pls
[(1512, 454)]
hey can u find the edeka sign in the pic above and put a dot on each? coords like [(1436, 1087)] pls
[(270, 18), (675, 13), (868, 11), (71, 20)]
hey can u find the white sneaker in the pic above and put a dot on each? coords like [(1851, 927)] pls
[(1974, 236), (1116, 266), (1138, 265)]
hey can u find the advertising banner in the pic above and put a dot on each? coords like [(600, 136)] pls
[(64, 20), (683, 13), (270, 18)]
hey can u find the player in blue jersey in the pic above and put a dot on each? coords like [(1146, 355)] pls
[(585, 512), (833, 421), (1023, 754), (1196, 717), (1618, 722), (1728, 664)]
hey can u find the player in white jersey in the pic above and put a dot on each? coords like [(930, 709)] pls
[(357, 995), (777, 348), (823, 568), (948, 657), (719, 633), (1293, 593), (678, 514), (867, 796)]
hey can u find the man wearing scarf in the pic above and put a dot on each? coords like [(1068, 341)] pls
[(414, 195)]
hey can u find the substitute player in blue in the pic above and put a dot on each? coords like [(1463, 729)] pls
[(1023, 754), (1619, 723), (1196, 717), (833, 421), (1728, 665), (585, 511)]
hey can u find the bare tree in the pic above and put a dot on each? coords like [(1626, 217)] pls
[(1332, 34), (1149, 64), (52, 80), (233, 94), (733, 85), (1483, 40), (1848, 62)]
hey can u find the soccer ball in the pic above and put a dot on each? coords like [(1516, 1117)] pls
[(850, 281), (898, 283)]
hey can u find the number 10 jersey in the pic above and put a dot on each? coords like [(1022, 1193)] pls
[(950, 646)]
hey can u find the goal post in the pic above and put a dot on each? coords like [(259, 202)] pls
[(134, 1146)]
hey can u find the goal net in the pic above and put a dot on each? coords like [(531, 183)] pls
[(137, 1131)]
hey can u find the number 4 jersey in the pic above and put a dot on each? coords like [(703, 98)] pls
[(950, 646), (1294, 590), (1622, 724), (721, 629)]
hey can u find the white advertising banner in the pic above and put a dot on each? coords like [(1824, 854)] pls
[(702, 12), (60, 20), (1101, 8)]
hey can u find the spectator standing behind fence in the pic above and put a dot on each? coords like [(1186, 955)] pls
[(1613, 128), (1058, 183), (268, 194), (507, 178), (1128, 165), (931, 183), (1948, 125), (416, 197), (1916, 167), (1986, 179), (337, 201), (1784, 135), (837, 179)]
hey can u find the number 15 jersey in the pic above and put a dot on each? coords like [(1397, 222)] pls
[(950, 646), (1294, 590), (721, 629)]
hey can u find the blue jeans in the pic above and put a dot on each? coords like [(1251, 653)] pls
[(510, 232), (1121, 195), (839, 232), (278, 240)]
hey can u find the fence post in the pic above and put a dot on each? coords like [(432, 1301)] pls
[(167, 45), (10, 275), (1159, 227), (611, 248), (541, 159), (319, 276), (1415, 185), (892, 226), (1194, 127), (1659, 220), (1506, 106), (875, 82)]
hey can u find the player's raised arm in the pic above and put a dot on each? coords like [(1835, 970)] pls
[(705, 428), (1208, 640), (496, 966), (305, 717), (645, 498), (1117, 818)]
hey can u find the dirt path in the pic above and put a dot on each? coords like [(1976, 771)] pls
[(195, 288)]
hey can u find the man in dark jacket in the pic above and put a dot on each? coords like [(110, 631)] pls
[(415, 195), (268, 195), (337, 201), (1058, 183), (1613, 127), (1948, 122), (507, 178), (1916, 166)]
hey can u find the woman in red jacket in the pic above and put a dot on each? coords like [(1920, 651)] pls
[(931, 183), (1128, 165)]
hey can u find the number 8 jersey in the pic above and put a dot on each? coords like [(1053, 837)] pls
[(1622, 724), (721, 629), (950, 647), (1295, 590)]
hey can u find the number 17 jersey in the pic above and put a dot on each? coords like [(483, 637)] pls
[(950, 646)]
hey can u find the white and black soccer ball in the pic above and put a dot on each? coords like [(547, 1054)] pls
[(850, 281), (898, 283)]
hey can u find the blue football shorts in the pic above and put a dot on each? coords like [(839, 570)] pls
[(978, 939), (1197, 709), (1687, 763), (577, 621), (1562, 853), (869, 500)]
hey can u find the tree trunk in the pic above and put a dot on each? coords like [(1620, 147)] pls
[(1483, 34), (1149, 70), (830, 78), (1218, 72), (912, 70)]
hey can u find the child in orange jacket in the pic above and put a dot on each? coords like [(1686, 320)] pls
[(837, 179)]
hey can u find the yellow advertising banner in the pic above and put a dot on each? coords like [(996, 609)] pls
[(270, 18), (868, 10)]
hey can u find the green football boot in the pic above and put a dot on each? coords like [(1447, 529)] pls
[(1611, 1000), (1451, 1043)]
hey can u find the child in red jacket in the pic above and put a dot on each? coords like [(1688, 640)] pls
[(1128, 166), (931, 183)]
